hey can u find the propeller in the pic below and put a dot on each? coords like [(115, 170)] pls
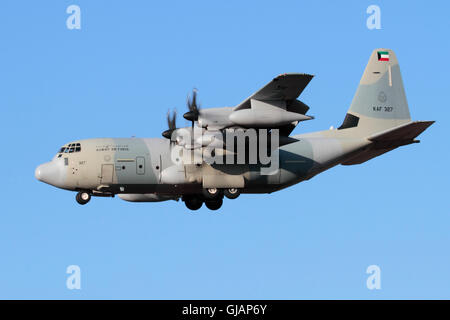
[(171, 123), (194, 108)]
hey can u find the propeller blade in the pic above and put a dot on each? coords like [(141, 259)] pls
[(194, 100), (171, 123), (173, 120), (193, 107)]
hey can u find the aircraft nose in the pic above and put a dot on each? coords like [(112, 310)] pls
[(37, 173), (49, 173)]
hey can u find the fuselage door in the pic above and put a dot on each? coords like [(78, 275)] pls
[(107, 174)]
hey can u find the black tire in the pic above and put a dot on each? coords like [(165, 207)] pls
[(214, 204), (83, 197), (193, 203), (212, 193), (232, 193)]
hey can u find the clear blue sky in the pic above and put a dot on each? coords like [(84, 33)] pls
[(132, 61)]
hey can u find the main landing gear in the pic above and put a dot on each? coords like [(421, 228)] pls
[(83, 197), (231, 193), (211, 197), (214, 204), (212, 193), (193, 202)]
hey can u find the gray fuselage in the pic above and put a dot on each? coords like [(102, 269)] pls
[(137, 165)]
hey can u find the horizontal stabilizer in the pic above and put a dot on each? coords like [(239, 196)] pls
[(389, 140), (404, 133)]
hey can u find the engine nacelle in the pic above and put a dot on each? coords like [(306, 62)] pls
[(264, 114)]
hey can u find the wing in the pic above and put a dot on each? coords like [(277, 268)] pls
[(286, 87), (273, 106)]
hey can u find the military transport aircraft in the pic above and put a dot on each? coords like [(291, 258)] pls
[(176, 167)]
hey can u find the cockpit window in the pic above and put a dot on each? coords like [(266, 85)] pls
[(73, 147)]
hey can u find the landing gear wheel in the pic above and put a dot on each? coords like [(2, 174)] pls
[(214, 204), (212, 193), (232, 193), (193, 203), (83, 197)]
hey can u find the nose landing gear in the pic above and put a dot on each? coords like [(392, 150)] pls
[(83, 197)]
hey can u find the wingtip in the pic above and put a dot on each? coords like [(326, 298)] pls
[(293, 74)]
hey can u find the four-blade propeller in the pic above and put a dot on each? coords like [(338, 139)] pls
[(171, 123), (194, 108), (191, 115)]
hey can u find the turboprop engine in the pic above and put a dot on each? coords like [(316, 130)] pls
[(256, 114), (266, 114)]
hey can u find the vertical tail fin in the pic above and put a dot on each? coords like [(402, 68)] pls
[(380, 100)]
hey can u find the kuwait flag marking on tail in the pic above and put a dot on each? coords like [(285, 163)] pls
[(383, 56)]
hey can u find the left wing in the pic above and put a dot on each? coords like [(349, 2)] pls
[(286, 87), (273, 106)]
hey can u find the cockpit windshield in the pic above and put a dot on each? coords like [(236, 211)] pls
[(73, 147)]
